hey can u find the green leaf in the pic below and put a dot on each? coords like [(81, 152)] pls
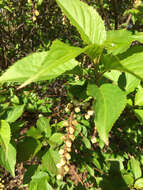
[(131, 64), (14, 113), (43, 66), (5, 134), (40, 181), (27, 148), (9, 162), (126, 81), (90, 170), (139, 114), (44, 126), (56, 140), (135, 165), (110, 102), (49, 161), (128, 178), (87, 21), (139, 183), (86, 142), (139, 97), (118, 41), (34, 132)]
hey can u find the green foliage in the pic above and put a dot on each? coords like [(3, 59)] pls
[(75, 121)]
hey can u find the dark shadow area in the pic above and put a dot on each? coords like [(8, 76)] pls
[(114, 180)]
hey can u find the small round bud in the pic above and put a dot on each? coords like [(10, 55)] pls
[(63, 162), (77, 109), (74, 122), (72, 137), (59, 165), (63, 137), (90, 112), (67, 156), (34, 18), (59, 177), (68, 143), (66, 168), (71, 130), (61, 151), (66, 123), (87, 116), (93, 139), (67, 109), (68, 149), (36, 12), (76, 78)]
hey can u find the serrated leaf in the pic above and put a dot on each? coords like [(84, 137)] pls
[(40, 181), (110, 102), (43, 66), (43, 126), (139, 114), (14, 113), (5, 134), (126, 81), (135, 165), (139, 183), (86, 19), (49, 161), (139, 97), (9, 162), (86, 142), (132, 64), (27, 148), (118, 41), (56, 140)]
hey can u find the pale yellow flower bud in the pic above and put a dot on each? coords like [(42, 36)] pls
[(87, 116), (66, 123), (68, 143), (72, 137), (61, 151), (59, 177), (77, 109), (36, 12), (71, 130), (93, 139), (66, 168), (67, 156), (34, 18), (59, 165), (90, 112), (74, 122), (68, 149), (63, 162)]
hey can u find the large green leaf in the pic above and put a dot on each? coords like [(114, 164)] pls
[(43, 126), (126, 81), (49, 161), (14, 113), (87, 21), (139, 97), (56, 140), (9, 162), (110, 101), (139, 184), (135, 165), (119, 41), (132, 64), (40, 182), (5, 133), (43, 66)]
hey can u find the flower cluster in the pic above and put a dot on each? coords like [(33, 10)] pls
[(64, 152), (1, 184)]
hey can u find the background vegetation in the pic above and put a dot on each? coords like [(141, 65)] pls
[(42, 114)]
